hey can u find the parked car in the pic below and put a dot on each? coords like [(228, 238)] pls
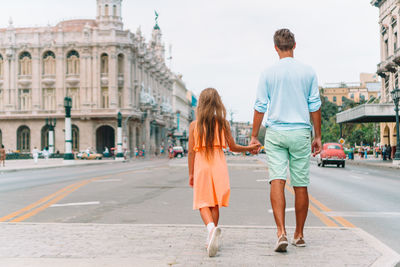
[(332, 154), (92, 155), (178, 151)]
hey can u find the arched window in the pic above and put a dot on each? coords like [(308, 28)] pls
[(104, 63), (114, 10), (120, 64), (73, 62), (25, 63), (362, 97), (75, 138), (23, 139), (1, 66), (106, 12), (334, 99), (49, 63)]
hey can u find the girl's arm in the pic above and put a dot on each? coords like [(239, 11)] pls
[(235, 147), (191, 153)]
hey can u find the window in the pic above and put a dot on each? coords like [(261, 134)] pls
[(45, 137), (1, 138), (49, 63), (75, 138), (105, 101), (334, 99), (25, 99), (396, 80), (114, 10), (25, 64), (1, 100), (73, 93), (395, 41), (104, 63), (49, 99), (120, 64), (73, 62), (1, 66), (23, 139), (352, 96), (362, 97), (106, 11), (120, 97), (334, 147), (386, 47)]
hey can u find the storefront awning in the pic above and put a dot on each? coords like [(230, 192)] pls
[(368, 113)]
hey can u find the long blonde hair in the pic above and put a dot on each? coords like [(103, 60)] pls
[(210, 113)]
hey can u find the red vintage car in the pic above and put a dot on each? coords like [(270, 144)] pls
[(332, 154)]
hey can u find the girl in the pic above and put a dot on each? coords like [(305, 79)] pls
[(208, 171)]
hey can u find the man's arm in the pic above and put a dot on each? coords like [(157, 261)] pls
[(257, 120), (316, 144)]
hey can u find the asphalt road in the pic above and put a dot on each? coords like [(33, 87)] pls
[(156, 192)]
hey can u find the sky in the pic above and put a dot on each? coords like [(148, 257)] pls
[(226, 44)]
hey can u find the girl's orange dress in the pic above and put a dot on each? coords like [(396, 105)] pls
[(211, 178)]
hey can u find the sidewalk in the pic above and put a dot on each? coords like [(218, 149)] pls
[(28, 164), (83, 245), (372, 161)]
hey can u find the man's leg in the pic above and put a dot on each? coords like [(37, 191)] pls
[(278, 203), (301, 207)]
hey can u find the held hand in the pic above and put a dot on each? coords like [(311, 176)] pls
[(255, 145), (191, 180), (316, 146)]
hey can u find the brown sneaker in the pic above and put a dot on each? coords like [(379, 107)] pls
[(281, 244), (299, 242)]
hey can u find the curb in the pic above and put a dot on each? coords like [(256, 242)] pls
[(59, 166)]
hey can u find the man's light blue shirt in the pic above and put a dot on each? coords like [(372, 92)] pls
[(288, 92)]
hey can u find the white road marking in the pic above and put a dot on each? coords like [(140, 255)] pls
[(76, 204), (108, 180), (357, 177), (288, 209), (262, 180), (362, 214)]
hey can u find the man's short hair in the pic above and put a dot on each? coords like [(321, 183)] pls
[(284, 39)]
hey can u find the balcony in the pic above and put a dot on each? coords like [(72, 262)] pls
[(72, 80), (25, 80), (104, 79), (48, 81)]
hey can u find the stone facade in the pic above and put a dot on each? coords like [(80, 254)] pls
[(389, 12), (241, 132), (182, 110), (101, 66)]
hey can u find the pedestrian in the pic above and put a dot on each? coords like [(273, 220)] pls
[(35, 155), (208, 170), (389, 152), (45, 153), (136, 151), (384, 151), (288, 92), (2, 155)]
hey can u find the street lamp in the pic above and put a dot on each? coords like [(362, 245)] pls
[(396, 98), (68, 133)]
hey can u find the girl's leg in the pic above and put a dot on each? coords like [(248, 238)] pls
[(206, 215), (215, 214)]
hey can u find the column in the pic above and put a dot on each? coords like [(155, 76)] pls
[(127, 90), (68, 156), (113, 80), (60, 84), (120, 154), (96, 88), (36, 73)]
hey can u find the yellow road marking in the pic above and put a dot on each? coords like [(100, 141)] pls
[(316, 212), (325, 219), (37, 203), (54, 198), (48, 204)]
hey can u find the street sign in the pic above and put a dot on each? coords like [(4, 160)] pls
[(342, 141)]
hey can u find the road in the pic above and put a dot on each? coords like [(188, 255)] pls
[(156, 192)]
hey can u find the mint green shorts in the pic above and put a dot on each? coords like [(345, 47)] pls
[(293, 148)]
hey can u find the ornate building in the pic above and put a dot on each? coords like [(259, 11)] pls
[(101, 66)]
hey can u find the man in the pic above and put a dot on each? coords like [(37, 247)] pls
[(389, 152), (288, 93)]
